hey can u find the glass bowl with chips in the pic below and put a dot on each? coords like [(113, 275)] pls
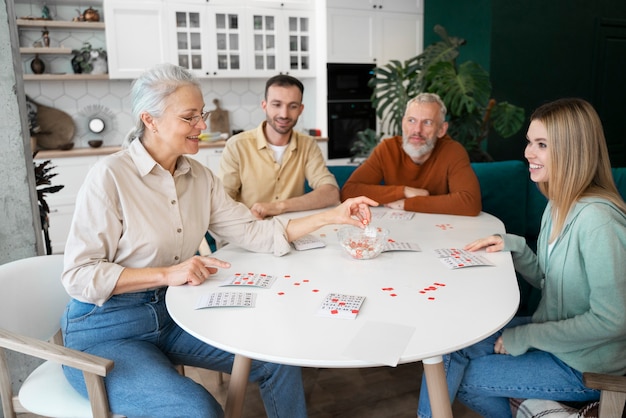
[(363, 244)]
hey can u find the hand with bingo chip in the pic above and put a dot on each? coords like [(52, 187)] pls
[(359, 208), (491, 244)]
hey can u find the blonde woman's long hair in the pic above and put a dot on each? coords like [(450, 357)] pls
[(580, 164)]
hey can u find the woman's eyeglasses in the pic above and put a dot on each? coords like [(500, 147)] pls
[(194, 120)]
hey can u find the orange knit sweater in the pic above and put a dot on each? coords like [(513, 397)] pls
[(447, 175)]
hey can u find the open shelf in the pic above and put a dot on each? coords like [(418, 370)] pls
[(65, 77), (39, 23), (45, 50)]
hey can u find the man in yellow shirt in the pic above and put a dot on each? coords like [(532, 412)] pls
[(266, 167)]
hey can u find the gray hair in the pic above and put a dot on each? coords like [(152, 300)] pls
[(429, 98), (150, 91)]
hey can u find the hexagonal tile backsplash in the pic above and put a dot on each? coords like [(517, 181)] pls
[(110, 99)]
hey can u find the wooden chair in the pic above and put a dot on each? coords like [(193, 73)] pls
[(32, 300), (612, 393), (611, 405)]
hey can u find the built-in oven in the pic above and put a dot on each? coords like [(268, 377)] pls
[(349, 106), (345, 119)]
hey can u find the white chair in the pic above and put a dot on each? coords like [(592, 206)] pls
[(32, 300)]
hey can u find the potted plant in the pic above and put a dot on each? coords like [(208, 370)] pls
[(89, 60), (465, 89), (364, 144), (43, 175)]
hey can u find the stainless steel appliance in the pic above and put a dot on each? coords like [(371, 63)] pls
[(349, 106)]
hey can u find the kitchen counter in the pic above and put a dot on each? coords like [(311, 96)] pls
[(82, 152)]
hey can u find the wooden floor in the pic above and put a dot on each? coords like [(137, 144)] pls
[(382, 392)]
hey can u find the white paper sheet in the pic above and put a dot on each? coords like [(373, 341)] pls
[(380, 342)]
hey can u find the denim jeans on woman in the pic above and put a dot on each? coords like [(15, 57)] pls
[(485, 381), (137, 333)]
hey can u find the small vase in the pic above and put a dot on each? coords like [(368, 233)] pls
[(37, 65), (76, 66), (99, 66)]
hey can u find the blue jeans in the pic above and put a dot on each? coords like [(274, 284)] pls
[(485, 381), (137, 333)]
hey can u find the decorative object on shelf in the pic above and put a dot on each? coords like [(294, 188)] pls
[(37, 65), (219, 120), (45, 12), (95, 143), (55, 127), (78, 18), (91, 15), (95, 122), (45, 35), (89, 60)]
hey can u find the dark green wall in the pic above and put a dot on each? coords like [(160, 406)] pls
[(538, 50), (470, 20)]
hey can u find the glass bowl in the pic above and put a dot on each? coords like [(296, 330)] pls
[(363, 244)]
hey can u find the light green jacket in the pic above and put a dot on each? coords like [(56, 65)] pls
[(581, 317)]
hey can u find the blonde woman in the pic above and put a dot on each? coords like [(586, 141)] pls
[(580, 323)]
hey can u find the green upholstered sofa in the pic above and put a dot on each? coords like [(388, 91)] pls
[(509, 194)]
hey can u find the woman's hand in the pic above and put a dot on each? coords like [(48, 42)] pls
[(356, 207), (491, 244), (194, 271), (498, 347)]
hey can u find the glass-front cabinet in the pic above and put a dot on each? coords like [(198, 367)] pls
[(281, 42), (212, 39), (207, 40)]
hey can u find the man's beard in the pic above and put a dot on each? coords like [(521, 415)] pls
[(281, 130), (418, 151)]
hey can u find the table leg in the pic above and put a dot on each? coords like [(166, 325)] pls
[(437, 387), (237, 386)]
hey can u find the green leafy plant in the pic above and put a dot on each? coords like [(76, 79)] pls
[(84, 57), (43, 176), (365, 143), (465, 89)]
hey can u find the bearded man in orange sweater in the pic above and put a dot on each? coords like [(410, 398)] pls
[(424, 170)]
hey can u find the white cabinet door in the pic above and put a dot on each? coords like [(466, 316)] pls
[(59, 223), (71, 173), (351, 36), (408, 6), (281, 42), (375, 35), (206, 39), (135, 37), (399, 37), (283, 4), (210, 157)]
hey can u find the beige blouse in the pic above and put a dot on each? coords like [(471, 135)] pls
[(131, 212)]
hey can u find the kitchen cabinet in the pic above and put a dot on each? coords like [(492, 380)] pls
[(374, 31), (211, 39), (283, 4), (57, 29), (135, 36), (210, 157), (281, 41), (207, 39), (71, 172), (402, 6)]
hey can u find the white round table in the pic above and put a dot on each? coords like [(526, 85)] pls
[(423, 308)]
